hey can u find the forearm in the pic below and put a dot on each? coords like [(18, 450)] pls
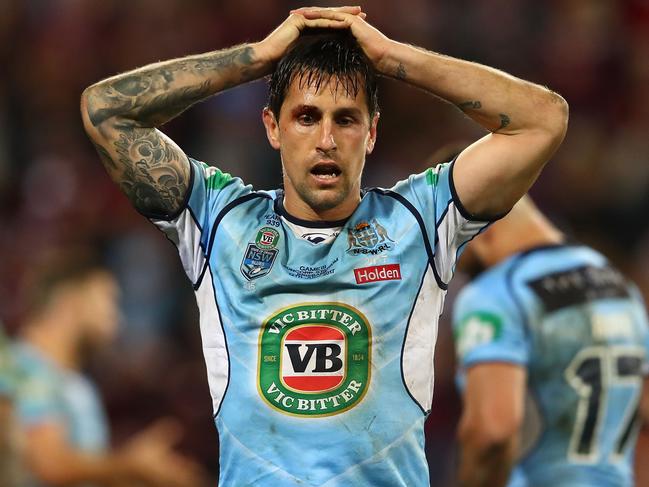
[(154, 94), (121, 114), (486, 467), (67, 468), (496, 100), (9, 457)]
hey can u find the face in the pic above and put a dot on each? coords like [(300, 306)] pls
[(323, 137), (98, 309)]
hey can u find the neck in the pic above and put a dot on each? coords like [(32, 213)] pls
[(525, 237), (299, 208), (53, 341)]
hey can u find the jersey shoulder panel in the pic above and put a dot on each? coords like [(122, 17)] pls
[(7, 367), (212, 193), (448, 225), (37, 392), (488, 326)]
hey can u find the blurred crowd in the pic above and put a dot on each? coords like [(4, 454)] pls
[(55, 194)]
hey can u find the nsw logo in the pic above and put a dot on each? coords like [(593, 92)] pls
[(314, 359), (388, 272), (368, 238), (260, 256)]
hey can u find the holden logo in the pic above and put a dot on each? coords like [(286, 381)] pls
[(314, 359)]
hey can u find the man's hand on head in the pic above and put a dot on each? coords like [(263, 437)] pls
[(373, 42)]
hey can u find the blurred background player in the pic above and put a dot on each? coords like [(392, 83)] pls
[(10, 466), (552, 342), (73, 314)]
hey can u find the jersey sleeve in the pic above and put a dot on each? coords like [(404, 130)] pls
[(642, 325), (487, 327), (37, 397), (7, 375), (191, 228), (449, 227)]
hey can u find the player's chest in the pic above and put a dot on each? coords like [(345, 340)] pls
[(367, 251)]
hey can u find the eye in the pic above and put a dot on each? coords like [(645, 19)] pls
[(306, 119), (346, 121)]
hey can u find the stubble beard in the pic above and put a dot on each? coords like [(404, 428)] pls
[(320, 200)]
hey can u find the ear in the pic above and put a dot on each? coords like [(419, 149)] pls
[(372, 138), (272, 128)]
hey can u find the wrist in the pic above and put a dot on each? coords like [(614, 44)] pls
[(123, 466), (265, 56), (386, 57)]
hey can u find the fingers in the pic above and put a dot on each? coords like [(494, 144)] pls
[(165, 431), (326, 24), (355, 10), (186, 473), (343, 14)]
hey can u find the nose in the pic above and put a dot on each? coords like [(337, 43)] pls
[(326, 140)]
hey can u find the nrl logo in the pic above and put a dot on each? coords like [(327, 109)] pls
[(260, 256), (368, 238), (314, 359)]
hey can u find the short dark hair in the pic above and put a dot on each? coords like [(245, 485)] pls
[(319, 55), (58, 269)]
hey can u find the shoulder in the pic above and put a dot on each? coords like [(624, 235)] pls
[(433, 178), (486, 315), (488, 287)]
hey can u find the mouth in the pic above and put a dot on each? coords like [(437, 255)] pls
[(326, 172)]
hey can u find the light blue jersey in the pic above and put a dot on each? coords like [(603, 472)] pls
[(11, 473), (581, 331), (7, 368), (47, 393), (319, 342)]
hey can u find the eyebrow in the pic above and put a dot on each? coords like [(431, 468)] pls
[(305, 109), (349, 111), (343, 111)]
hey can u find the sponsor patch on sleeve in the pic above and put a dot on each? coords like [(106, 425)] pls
[(477, 329)]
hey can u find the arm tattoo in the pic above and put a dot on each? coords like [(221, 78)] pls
[(105, 157), (504, 121), (155, 94), (150, 169), (401, 72), (153, 177), (466, 105)]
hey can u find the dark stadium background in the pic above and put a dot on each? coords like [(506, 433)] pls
[(54, 193)]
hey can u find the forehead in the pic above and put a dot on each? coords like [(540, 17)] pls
[(328, 94)]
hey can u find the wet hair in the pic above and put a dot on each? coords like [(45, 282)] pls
[(318, 56)]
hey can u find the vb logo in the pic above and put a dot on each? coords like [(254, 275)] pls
[(314, 359)]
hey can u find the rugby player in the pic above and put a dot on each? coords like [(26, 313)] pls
[(10, 457), (553, 347), (74, 313), (319, 301)]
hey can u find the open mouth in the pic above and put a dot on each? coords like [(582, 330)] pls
[(326, 171)]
